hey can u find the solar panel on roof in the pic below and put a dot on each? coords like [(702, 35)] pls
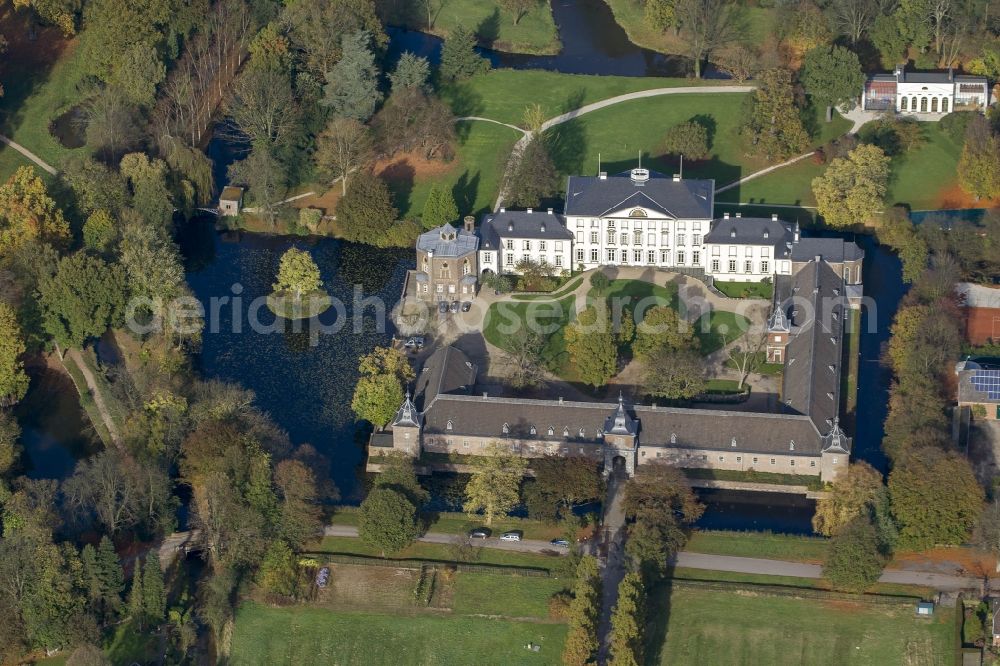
[(988, 382)]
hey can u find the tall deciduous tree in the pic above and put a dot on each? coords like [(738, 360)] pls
[(379, 391), (82, 299), (674, 374), (591, 345), (850, 191), (535, 177), (524, 360), (99, 231), (705, 25), (832, 76), (343, 147), (495, 486), (560, 484), (772, 124), (853, 561), (297, 273), (150, 194), (13, 379), (459, 59), (854, 494), (28, 213), (414, 120), (151, 262), (265, 176), (387, 520), (352, 89), (628, 621), (689, 139), (518, 8), (662, 328), (365, 212), (584, 611), (263, 108), (853, 17), (936, 499), (979, 165)]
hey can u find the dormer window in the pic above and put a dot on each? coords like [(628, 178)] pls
[(767, 234), (551, 431), (565, 432), (450, 425), (505, 429), (532, 430), (791, 445), (583, 432), (733, 443), (673, 438)]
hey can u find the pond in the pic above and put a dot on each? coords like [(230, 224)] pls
[(741, 510), (55, 432), (302, 376), (592, 43), (70, 128)]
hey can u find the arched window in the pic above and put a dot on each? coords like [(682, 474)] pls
[(637, 212), (923, 105), (944, 105), (505, 429), (450, 425), (902, 104), (934, 104)]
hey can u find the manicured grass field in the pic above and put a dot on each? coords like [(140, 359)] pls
[(717, 328), (503, 94), (722, 386), (436, 552), (510, 596), (473, 178), (300, 635), (918, 177), (534, 33), (638, 293), (890, 589), (790, 185), (550, 318), (746, 289), (700, 626), (759, 544)]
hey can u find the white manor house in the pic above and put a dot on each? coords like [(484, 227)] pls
[(637, 218), (917, 93)]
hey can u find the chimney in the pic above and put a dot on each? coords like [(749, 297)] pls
[(550, 211), (739, 214), (560, 400), (899, 72), (503, 209), (542, 228), (470, 223), (774, 217), (529, 211), (603, 175), (677, 178), (732, 233), (725, 216), (767, 234), (951, 74), (485, 395), (796, 237)]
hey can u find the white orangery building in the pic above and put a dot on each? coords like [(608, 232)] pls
[(925, 92)]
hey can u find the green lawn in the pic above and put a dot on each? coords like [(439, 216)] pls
[(638, 292), (700, 626), (436, 552), (746, 289), (763, 368), (758, 544), (473, 178), (503, 94), (571, 285), (550, 318), (534, 33), (890, 589), (918, 177), (722, 386), (717, 327), (303, 635), (36, 92), (511, 596)]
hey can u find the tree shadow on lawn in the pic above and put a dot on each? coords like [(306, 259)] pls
[(488, 30), (399, 176), (567, 144), (465, 191), (657, 617), (464, 101)]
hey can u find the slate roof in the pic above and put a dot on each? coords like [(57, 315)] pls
[(834, 250), (593, 196), (447, 370), (816, 309), (585, 422), (447, 241), (521, 224), (753, 231)]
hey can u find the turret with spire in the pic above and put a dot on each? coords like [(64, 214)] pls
[(406, 427), (620, 438)]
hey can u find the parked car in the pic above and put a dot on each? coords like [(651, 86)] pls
[(454, 306), (322, 577), (466, 306), (513, 535), (414, 343), (479, 533), (443, 307), (562, 543)]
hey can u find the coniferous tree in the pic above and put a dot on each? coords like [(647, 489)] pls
[(154, 599), (109, 569), (535, 177), (439, 209), (459, 59), (136, 607), (352, 85)]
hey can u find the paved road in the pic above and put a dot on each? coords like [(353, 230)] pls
[(752, 565), (523, 546), (30, 155)]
